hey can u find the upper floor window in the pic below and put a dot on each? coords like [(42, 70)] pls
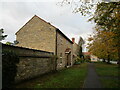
[(66, 42), (61, 41)]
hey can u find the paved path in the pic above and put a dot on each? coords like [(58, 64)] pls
[(92, 80)]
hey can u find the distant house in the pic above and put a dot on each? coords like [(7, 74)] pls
[(90, 56), (41, 35), (94, 58), (86, 55)]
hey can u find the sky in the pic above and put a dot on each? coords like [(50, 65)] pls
[(15, 13)]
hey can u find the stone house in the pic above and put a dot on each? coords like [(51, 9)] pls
[(94, 58), (90, 56), (87, 55), (41, 35)]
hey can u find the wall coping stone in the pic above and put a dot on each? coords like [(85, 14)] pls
[(26, 48)]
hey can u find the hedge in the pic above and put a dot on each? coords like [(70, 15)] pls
[(9, 68)]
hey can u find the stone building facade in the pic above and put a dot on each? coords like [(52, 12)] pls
[(64, 50), (37, 34), (41, 35)]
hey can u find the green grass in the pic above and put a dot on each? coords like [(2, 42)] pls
[(110, 83), (72, 77), (108, 74), (104, 69), (68, 78)]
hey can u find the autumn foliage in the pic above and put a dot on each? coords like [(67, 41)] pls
[(105, 41)]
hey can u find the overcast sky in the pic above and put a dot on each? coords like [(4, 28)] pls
[(14, 14)]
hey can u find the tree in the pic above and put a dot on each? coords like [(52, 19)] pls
[(2, 37), (107, 19), (9, 43), (103, 46)]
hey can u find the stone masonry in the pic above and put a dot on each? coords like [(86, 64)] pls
[(62, 45), (36, 34), (32, 63)]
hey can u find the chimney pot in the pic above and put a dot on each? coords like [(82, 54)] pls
[(73, 40)]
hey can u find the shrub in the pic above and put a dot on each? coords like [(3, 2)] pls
[(79, 60), (9, 68), (87, 58)]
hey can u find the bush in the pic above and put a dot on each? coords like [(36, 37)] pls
[(87, 58), (79, 60), (9, 68)]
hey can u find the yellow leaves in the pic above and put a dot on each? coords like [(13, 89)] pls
[(107, 33), (103, 44), (90, 39), (106, 40)]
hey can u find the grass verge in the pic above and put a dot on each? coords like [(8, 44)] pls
[(68, 78), (108, 74)]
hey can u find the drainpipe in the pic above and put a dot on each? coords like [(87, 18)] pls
[(72, 55), (56, 52)]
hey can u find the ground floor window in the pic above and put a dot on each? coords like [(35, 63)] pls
[(61, 57)]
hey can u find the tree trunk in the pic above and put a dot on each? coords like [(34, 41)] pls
[(119, 57), (103, 60), (80, 52), (108, 59)]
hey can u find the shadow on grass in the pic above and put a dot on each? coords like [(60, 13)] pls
[(109, 74)]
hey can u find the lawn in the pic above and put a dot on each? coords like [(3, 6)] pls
[(72, 77), (108, 74)]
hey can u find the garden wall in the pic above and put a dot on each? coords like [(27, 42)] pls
[(32, 62)]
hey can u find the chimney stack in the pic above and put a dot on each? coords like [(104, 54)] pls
[(73, 40)]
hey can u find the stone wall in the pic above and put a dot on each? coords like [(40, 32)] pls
[(32, 62), (37, 34)]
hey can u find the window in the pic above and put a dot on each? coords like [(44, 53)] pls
[(60, 57), (66, 42), (61, 41)]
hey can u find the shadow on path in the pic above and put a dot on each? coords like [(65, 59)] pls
[(92, 80)]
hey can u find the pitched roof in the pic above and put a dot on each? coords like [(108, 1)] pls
[(64, 36), (49, 24), (68, 50), (86, 53)]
